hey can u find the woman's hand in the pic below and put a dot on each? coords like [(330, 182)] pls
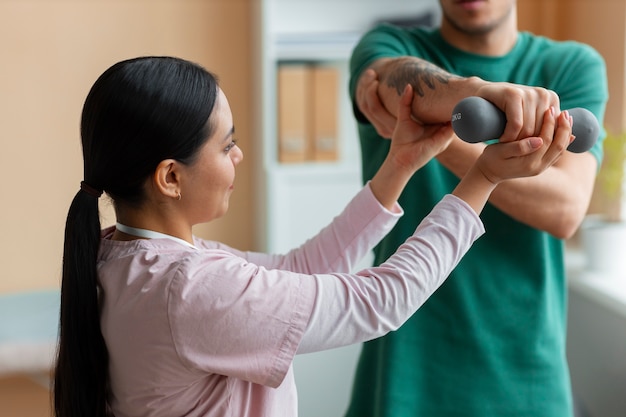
[(521, 158), (530, 156), (412, 146)]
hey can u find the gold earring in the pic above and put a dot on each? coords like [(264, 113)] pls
[(179, 196)]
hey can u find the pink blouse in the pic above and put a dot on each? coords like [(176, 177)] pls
[(213, 331)]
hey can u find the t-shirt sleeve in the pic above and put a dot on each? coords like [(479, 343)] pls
[(580, 79), (382, 41)]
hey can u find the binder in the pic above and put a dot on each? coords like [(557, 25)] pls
[(293, 112), (323, 136)]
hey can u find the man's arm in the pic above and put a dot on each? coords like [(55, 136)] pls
[(555, 201), (437, 92)]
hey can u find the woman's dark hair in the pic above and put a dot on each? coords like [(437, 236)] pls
[(139, 112)]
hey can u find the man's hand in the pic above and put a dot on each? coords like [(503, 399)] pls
[(371, 106), (524, 107)]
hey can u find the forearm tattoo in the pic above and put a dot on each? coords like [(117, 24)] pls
[(420, 75)]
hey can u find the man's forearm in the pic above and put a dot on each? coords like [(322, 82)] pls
[(555, 201), (436, 91)]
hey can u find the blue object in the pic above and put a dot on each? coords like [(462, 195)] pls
[(30, 316)]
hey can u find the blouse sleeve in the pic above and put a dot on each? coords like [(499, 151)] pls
[(338, 246), (230, 317)]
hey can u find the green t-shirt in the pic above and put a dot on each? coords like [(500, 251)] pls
[(491, 340)]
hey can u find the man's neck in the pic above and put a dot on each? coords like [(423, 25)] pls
[(488, 45), (497, 41)]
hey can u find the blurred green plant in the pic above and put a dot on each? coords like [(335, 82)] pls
[(611, 175)]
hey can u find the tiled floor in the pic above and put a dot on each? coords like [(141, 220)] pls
[(21, 396)]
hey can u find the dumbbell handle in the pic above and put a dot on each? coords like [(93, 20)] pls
[(475, 119)]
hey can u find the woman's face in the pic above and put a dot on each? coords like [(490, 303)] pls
[(210, 179)]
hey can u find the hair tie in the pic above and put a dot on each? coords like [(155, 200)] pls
[(94, 192)]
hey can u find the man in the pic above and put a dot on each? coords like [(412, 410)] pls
[(491, 340)]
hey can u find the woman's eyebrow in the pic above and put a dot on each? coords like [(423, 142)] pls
[(229, 134)]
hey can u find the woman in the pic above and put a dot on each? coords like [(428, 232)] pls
[(157, 322)]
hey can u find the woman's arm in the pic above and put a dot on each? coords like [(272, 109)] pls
[(355, 308)]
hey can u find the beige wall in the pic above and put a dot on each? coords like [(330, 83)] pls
[(599, 23), (52, 51)]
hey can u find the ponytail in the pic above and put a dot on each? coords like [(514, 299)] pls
[(80, 379)]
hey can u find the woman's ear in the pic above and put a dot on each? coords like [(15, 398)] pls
[(167, 178)]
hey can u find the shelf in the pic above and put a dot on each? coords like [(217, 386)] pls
[(315, 46), (317, 170)]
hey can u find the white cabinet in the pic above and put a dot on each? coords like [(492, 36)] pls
[(294, 200), (596, 342)]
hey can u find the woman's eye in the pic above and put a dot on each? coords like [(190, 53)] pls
[(230, 146)]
